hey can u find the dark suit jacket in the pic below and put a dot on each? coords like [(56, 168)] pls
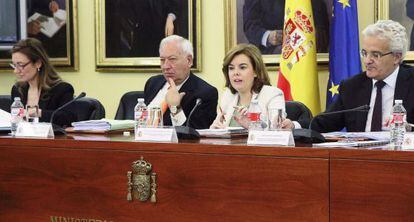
[(194, 88), (262, 15), (50, 101), (136, 28), (355, 92)]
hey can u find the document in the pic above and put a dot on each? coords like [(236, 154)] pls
[(380, 135), (50, 25), (353, 143), (5, 118), (223, 133)]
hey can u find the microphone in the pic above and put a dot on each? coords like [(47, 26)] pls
[(186, 132), (311, 136), (56, 128)]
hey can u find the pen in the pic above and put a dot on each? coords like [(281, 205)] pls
[(223, 118)]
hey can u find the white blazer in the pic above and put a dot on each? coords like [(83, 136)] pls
[(269, 97)]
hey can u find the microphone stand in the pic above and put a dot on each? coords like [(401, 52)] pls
[(186, 132), (312, 136), (56, 128)]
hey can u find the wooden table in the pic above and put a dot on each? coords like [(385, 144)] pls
[(84, 178)]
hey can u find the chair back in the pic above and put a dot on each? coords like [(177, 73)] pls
[(87, 108), (5, 102), (127, 105), (297, 111)]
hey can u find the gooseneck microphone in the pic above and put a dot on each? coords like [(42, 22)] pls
[(186, 132), (309, 135), (198, 102), (57, 129)]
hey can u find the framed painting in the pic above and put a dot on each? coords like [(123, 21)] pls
[(401, 11), (128, 33), (246, 21), (54, 23)]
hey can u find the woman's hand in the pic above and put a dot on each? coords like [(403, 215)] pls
[(241, 116), (287, 124), (217, 125)]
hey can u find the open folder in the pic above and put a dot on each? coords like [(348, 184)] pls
[(101, 125)]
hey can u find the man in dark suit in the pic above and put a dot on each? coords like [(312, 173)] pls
[(263, 24), (178, 88), (135, 28), (384, 45)]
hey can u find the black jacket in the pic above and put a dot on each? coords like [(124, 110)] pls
[(50, 101), (194, 88), (356, 91)]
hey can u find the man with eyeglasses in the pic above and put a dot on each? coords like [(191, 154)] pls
[(386, 79)]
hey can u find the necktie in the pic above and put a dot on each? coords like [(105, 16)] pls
[(376, 123)]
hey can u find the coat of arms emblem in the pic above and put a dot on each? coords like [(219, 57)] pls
[(142, 182)]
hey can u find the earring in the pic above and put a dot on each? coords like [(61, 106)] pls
[(38, 69)]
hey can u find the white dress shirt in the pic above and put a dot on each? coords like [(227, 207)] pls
[(387, 99), (177, 119)]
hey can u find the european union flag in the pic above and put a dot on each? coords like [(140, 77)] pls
[(344, 59)]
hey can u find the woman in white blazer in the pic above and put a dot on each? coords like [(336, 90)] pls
[(246, 79)]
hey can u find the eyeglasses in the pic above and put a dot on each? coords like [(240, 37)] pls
[(375, 55), (19, 66)]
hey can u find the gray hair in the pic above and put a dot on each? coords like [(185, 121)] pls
[(183, 43), (392, 31)]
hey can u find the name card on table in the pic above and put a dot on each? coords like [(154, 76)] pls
[(37, 130), (279, 137), (156, 135)]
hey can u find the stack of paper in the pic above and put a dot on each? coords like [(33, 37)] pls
[(103, 125), (380, 135), (4, 119), (223, 133), (352, 143)]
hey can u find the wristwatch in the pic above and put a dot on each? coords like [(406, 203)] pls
[(174, 109)]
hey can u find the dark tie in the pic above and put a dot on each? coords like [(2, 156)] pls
[(376, 123)]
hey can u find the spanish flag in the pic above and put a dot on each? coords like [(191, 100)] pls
[(298, 75)]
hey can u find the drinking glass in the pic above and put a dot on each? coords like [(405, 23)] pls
[(275, 118), (32, 114), (155, 117)]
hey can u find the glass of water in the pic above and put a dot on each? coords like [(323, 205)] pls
[(275, 118)]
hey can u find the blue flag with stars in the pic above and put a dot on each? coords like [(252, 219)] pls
[(344, 59)]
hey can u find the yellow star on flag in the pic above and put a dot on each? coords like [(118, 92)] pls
[(345, 3), (334, 89)]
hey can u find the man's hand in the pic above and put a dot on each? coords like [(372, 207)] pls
[(173, 97), (33, 27), (275, 38), (169, 26)]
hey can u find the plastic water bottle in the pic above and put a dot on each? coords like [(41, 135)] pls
[(253, 114), (140, 114), (17, 113), (397, 131)]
